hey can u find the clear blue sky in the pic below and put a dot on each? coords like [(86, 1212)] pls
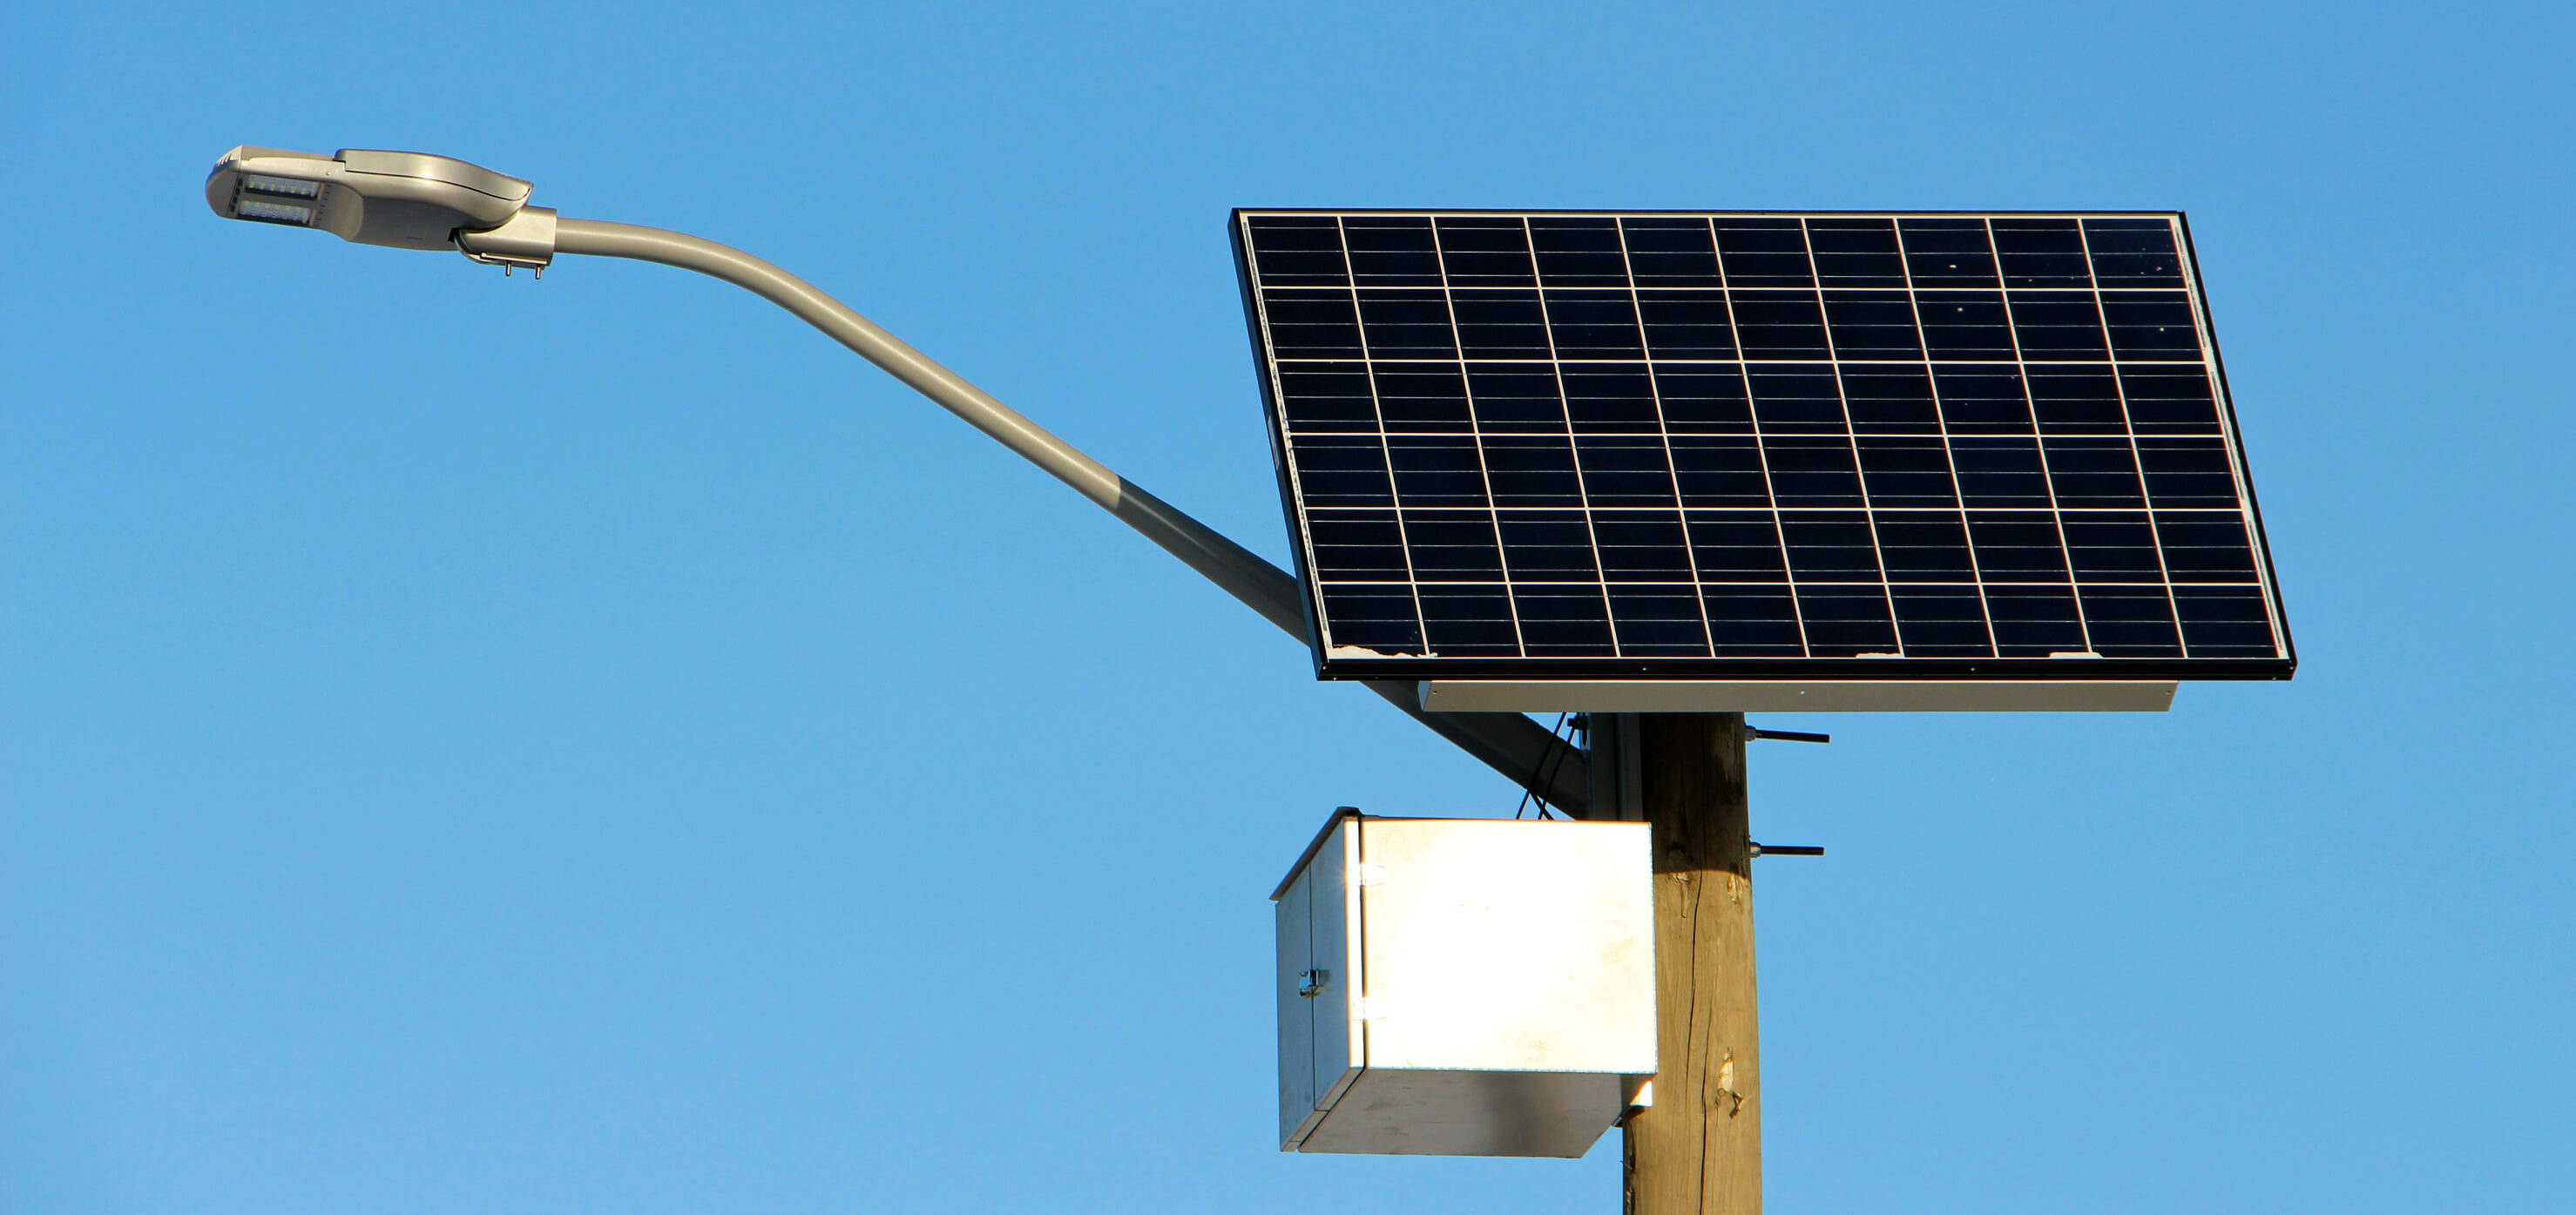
[(470, 744)]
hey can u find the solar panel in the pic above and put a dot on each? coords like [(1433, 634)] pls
[(1732, 445)]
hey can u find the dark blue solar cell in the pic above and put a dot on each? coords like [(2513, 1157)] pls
[(2130, 622), (1643, 546), (1292, 251), (2225, 621), (1579, 251), (2041, 253), (1753, 621), (1670, 252), (1704, 398), (1548, 546), (1469, 621), (2112, 546), (1908, 472), (2058, 325), (1421, 397), (2133, 253), (1779, 324), (2170, 400), (1358, 544), (1890, 397), (1965, 325), (1873, 325), (1942, 252), (1847, 620), (2076, 400), (1485, 251), (1453, 545), (1343, 470), (2090, 473), (1406, 323), (1659, 621), (1436, 470), (1609, 398), (1830, 546), (1391, 251), (1926, 546), (2151, 325), (2034, 621), (1999, 473), (1812, 471), (1686, 324), (1532, 470), (2017, 546), (1313, 324), (1573, 622), (1324, 397), (1942, 622), (1625, 471), (2187, 473), (1500, 323), (1762, 252), (2205, 546), (1856, 253), (1374, 616), (1796, 396), (1982, 398), (1516, 397), (1594, 324), (1736, 546), (1720, 470)]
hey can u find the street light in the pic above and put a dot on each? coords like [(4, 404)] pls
[(407, 200), (413, 200)]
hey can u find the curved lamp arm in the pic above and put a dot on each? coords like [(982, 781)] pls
[(1508, 742)]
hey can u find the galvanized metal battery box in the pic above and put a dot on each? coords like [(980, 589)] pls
[(1464, 987)]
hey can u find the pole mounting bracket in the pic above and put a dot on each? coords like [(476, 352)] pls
[(1788, 850)]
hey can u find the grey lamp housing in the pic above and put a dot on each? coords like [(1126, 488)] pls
[(404, 200)]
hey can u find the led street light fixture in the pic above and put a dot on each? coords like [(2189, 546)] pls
[(406, 200)]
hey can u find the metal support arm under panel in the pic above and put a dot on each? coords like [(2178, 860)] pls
[(1507, 742)]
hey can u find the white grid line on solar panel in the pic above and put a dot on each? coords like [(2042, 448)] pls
[(1770, 486), (1978, 515), (1941, 425), (1484, 471), (1905, 599), (1609, 614), (2083, 618), (2028, 224), (1289, 468), (2190, 269), (1637, 309), (1376, 403), (2128, 419), (2071, 572)]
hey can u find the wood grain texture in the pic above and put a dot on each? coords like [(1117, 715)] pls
[(1698, 1151)]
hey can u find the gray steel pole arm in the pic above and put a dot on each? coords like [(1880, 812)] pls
[(1508, 742)]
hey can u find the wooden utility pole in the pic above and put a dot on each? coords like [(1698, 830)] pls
[(1698, 1149)]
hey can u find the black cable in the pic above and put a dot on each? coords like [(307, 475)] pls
[(1541, 773)]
